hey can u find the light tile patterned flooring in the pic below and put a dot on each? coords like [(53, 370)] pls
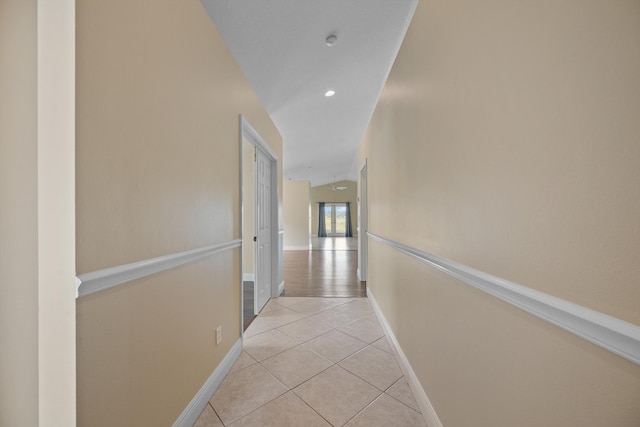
[(314, 362)]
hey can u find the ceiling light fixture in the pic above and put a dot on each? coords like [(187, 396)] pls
[(331, 40), (329, 93)]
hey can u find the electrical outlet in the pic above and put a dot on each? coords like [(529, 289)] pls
[(218, 335)]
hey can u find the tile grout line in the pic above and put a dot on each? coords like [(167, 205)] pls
[(303, 344), (215, 412), (308, 316), (363, 409), (312, 408), (292, 390), (308, 379), (317, 374), (335, 364), (363, 379), (266, 403), (398, 400)]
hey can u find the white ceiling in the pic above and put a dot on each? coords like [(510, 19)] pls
[(280, 46)]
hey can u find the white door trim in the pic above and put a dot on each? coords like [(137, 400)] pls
[(363, 222), (253, 137)]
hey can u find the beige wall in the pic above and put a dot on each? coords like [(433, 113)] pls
[(18, 225), (37, 267), (158, 163), (296, 215), (325, 193), (507, 138)]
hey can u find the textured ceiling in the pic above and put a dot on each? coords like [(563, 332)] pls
[(280, 46)]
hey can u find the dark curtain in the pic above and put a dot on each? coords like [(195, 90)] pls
[(322, 227), (349, 231)]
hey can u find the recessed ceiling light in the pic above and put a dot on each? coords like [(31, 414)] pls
[(329, 93), (331, 40)]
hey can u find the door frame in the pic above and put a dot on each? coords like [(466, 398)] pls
[(248, 133), (363, 222)]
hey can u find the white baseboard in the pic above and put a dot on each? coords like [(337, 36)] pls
[(428, 412), (200, 400), (248, 277), (297, 248)]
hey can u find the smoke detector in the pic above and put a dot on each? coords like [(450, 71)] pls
[(331, 40)]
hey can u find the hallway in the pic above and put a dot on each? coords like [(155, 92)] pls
[(496, 174), (314, 362), (317, 356), (328, 270)]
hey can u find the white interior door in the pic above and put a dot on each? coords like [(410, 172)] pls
[(263, 226)]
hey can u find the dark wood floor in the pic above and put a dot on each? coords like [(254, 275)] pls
[(323, 272), (247, 312), (334, 244)]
